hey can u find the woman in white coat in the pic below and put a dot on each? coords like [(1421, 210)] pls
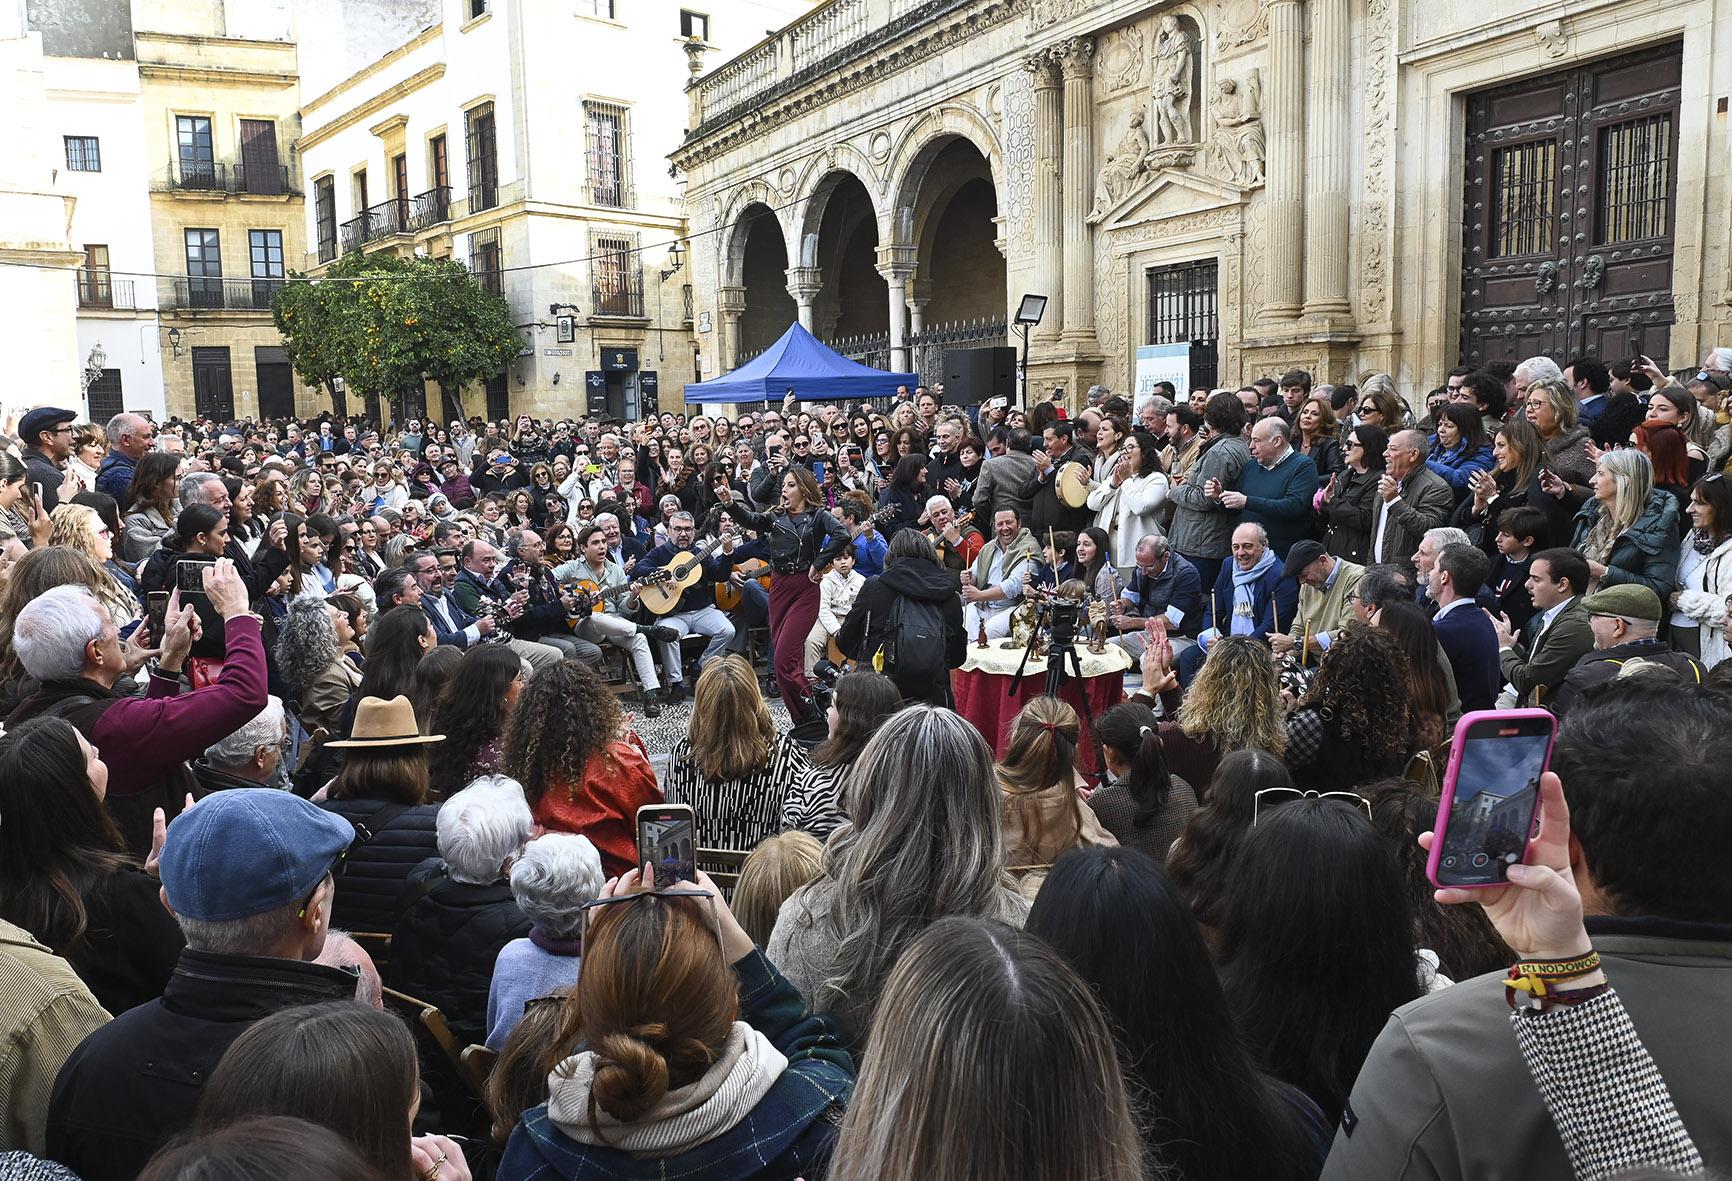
[(1698, 603), (1127, 503)]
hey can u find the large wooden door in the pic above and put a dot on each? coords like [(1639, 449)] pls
[(213, 394), (1568, 228)]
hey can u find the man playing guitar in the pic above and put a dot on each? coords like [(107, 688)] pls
[(955, 539), (607, 587), (547, 609), (479, 593), (696, 613)]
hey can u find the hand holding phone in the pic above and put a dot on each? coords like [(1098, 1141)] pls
[(667, 842), (1491, 794)]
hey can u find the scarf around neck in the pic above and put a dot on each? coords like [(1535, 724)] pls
[(747, 1067), (1245, 594)]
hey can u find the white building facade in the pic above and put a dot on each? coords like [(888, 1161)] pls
[(95, 107), (529, 141)]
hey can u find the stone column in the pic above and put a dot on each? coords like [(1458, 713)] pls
[(1284, 190), (1048, 192), (1078, 64), (805, 284), (896, 264), (1077, 57), (1327, 163), (731, 304), (919, 295)]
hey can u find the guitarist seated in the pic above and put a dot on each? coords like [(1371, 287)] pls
[(957, 541), (601, 586), (695, 613), (739, 594), (475, 585), (546, 614)]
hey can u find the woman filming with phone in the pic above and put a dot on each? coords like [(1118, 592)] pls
[(695, 1057)]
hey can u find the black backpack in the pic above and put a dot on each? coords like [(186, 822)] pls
[(911, 642)]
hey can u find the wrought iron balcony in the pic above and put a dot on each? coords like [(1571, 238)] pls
[(623, 299), (98, 292), (375, 222), (204, 176), (218, 176), (196, 293), (428, 209)]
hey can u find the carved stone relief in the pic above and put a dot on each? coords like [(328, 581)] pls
[(1120, 61), (1242, 22), (1376, 193), (1043, 14), (1174, 84), (1016, 133), (1124, 165), (1237, 145)]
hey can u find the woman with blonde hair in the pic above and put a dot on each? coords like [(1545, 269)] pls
[(777, 867), (1234, 702), (732, 766), (308, 494), (1551, 408), (923, 841), (987, 1028), (80, 527), (1628, 531), (1043, 812)]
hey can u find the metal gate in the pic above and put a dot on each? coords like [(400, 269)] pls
[(1567, 233), (1184, 308)]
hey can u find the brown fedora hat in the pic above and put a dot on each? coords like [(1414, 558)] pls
[(386, 723)]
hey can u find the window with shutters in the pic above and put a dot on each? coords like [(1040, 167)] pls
[(483, 159), (95, 288), (83, 153), (325, 216), (486, 261), (260, 170), (618, 276), (608, 152)]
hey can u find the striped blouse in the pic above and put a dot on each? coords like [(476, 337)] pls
[(738, 813)]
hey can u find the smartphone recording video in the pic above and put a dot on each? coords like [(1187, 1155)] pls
[(189, 575), (1491, 795), (667, 842)]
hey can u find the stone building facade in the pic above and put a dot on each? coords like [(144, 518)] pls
[(1346, 186)]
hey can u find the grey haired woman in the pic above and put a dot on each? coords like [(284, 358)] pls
[(311, 664)]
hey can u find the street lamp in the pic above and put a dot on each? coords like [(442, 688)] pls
[(93, 367), (676, 259), (1028, 314)]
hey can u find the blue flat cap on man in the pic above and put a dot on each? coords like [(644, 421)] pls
[(249, 851)]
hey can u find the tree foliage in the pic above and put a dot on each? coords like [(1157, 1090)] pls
[(401, 321)]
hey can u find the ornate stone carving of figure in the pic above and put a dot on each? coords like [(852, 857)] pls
[(1174, 81), (1236, 146), (1121, 169)]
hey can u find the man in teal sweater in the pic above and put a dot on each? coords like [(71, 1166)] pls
[(1276, 491)]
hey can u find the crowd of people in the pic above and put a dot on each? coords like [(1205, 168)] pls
[(319, 791)]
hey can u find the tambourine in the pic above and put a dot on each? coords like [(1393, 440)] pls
[(1073, 485)]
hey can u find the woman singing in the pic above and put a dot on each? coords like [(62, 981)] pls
[(801, 537)]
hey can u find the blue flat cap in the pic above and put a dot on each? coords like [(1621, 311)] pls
[(43, 418), (247, 851)]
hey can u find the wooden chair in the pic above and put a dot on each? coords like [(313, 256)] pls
[(377, 944), (479, 1062), (728, 878), (432, 1023)]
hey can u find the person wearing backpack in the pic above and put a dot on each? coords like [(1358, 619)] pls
[(907, 622)]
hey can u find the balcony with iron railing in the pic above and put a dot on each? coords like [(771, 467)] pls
[(428, 209), (384, 220), (237, 179), (98, 292), (201, 294), (611, 193)]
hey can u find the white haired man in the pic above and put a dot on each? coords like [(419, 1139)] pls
[(252, 756)]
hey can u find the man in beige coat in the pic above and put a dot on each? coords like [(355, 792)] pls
[(1327, 585)]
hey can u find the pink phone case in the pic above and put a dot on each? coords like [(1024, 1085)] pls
[(1445, 802)]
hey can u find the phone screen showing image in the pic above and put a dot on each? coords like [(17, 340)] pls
[(1496, 795), (669, 845)]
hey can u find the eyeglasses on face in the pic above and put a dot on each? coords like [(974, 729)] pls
[(1286, 795)]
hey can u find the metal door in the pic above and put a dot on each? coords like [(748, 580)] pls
[(213, 393), (1568, 228)]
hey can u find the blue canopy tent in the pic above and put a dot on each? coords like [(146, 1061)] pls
[(800, 362)]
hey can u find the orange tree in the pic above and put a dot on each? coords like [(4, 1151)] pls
[(387, 324)]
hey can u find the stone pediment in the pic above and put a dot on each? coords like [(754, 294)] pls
[(1171, 192)]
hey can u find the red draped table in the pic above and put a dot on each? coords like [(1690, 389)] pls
[(983, 691)]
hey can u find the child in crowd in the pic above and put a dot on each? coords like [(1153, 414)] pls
[(836, 596), (1519, 534)]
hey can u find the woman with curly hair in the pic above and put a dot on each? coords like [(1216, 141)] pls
[(471, 713), (311, 663), (732, 766), (1436, 705), (1234, 702), (582, 767), (1355, 724), (78, 527), (307, 492), (1041, 793)]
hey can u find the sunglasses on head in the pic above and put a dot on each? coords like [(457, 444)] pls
[(1286, 795)]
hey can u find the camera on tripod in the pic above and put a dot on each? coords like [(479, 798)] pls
[(825, 674), (1064, 617)]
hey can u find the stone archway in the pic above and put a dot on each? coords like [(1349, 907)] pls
[(838, 255), (959, 272), (758, 258)]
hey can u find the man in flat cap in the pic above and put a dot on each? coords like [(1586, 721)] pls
[(248, 873), (1625, 620), (46, 433)]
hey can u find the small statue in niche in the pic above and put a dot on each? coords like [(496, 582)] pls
[(1237, 146), (1121, 169), (1174, 82)]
